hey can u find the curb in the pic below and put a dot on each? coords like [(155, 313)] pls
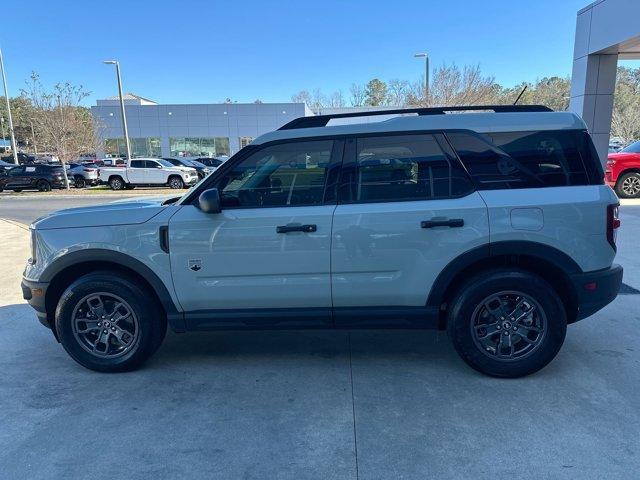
[(15, 224)]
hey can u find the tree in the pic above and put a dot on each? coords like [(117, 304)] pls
[(376, 92), (625, 122), (20, 113), (62, 126), (398, 91), (358, 95)]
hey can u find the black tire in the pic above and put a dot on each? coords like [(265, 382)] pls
[(116, 183), (129, 187), (151, 322), (175, 182), (43, 186), (17, 190), (628, 185), (79, 181), (469, 300)]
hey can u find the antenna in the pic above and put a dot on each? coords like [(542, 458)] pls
[(521, 93)]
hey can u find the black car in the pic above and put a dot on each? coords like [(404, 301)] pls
[(23, 158), (7, 165), (200, 168), (32, 177), (210, 161)]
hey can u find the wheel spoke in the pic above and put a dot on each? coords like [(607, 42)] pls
[(486, 330), (85, 325), (498, 311), (96, 305), (122, 336), (103, 339), (525, 314)]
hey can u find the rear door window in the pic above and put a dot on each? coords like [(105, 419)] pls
[(402, 168)]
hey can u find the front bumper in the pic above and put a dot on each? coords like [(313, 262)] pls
[(595, 290), (34, 293)]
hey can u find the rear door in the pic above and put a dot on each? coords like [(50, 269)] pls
[(266, 257), (155, 173), (16, 177), (406, 209)]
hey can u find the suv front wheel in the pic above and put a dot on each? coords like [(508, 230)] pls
[(507, 323), (107, 323)]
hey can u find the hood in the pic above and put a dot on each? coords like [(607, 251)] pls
[(121, 212), (622, 155)]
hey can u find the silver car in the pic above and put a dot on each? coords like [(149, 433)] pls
[(83, 175)]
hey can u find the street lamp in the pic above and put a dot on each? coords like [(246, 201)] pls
[(14, 148), (124, 117), (426, 75)]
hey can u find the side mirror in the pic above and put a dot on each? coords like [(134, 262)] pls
[(209, 201)]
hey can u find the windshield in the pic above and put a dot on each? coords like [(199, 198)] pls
[(633, 148), (164, 163)]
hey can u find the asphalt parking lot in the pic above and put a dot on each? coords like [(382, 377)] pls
[(318, 405)]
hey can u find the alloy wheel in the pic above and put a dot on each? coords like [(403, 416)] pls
[(508, 325), (105, 325), (631, 186)]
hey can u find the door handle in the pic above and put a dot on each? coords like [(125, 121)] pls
[(296, 227), (452, 223)]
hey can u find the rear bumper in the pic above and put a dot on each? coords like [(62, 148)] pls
[(595, 290), (34, 293)]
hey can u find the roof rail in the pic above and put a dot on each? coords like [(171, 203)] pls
[(322, 120)]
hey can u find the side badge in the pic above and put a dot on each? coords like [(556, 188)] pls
[(195, 265)]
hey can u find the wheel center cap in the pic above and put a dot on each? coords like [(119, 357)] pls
[(506, 325)]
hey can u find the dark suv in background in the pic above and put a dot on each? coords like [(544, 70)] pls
[(32, 177)]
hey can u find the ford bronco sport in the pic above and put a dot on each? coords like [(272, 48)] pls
[(493, 224)]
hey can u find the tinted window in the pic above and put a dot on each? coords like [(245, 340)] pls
[(138, 164), (279, 175), (404, 167), (524, 159)]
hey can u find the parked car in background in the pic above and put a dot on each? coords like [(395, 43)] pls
[(32, 177), (200, 168), (114, 162), (148, 171), (23, 158), (211, 162), (6, 165), (83, 175), (623, 171)]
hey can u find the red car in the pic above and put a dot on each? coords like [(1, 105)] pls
[(623, 171)]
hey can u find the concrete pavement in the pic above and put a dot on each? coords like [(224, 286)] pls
[(319, 405)]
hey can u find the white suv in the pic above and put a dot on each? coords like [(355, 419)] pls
[(495, 226)]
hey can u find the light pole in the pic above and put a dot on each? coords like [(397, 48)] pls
[(124, 117), (14, 148), (426, 75)]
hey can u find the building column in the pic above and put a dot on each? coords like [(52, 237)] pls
[(593, 84)]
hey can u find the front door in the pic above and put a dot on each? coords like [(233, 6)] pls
[(406, 209), (155, 173), (265, 258)]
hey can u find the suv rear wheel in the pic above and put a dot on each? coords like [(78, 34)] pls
[(43, 186), (107, 323), (507, 323), (628, 186)]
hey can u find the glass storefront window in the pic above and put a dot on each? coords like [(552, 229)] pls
[(244, 141), (140, 147), (198, 147)]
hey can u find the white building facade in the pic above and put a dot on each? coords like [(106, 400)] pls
[(198, 130)]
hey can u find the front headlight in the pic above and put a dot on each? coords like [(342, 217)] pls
[(32, 242)]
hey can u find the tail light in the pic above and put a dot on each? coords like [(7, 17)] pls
[(613, 223)]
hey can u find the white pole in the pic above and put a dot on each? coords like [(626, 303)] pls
[(14, 148)]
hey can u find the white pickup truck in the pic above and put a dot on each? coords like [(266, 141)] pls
[(148, 171)]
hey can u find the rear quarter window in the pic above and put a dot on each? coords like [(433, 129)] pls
[(528, 159)]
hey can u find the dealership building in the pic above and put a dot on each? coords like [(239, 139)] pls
[(188, 130)]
